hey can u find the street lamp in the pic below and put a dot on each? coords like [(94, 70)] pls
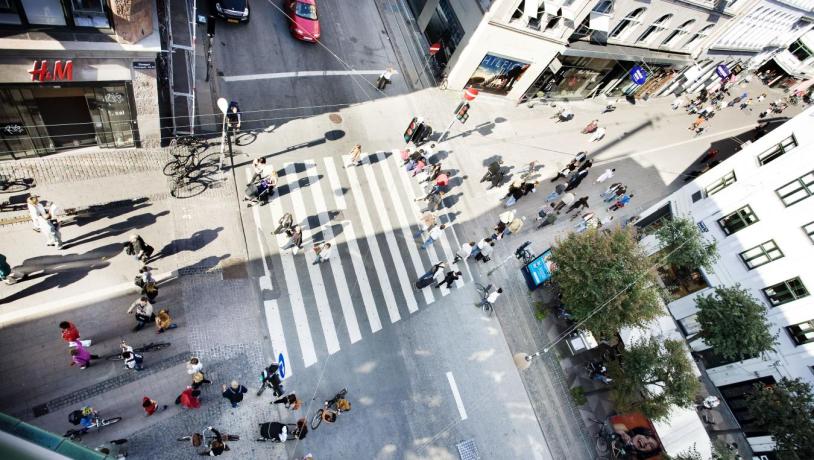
[(523, 360), (223, 105)]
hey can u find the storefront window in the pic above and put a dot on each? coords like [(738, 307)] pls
[(110, 112), (22, 131), (9, 13), (579, 76), (45, 12), (89, 13)]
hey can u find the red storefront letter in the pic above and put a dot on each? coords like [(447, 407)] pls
[(40, 71), (63, 72)]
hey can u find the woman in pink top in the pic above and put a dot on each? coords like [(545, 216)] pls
[(80, 355)]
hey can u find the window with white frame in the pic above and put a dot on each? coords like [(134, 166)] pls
[(627, 24), (698, 36), (785, 292), (809, 229), (677, 33), (802, 333)]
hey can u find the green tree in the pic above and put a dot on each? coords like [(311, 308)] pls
[(690, 453), (683, 245), (656, 375), (595, 267), (786, 410), (734, 323)]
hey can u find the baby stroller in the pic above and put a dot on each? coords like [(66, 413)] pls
[(258, 192), (282, 432)]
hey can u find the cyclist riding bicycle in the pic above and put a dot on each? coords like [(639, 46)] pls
[(334, 407), (217, 446), (88, 419)]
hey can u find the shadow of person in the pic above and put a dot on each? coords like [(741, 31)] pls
[(110, 210), (195, 242), (60, 270), (116, 229)]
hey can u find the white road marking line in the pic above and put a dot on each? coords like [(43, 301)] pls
[(361, 277), (336, 186), (320, 296), (277, 334), (370, 234), (301, 73), (455, 394), (410, 186), (405, 227), (397, 261), (289, 270), (336, 264)]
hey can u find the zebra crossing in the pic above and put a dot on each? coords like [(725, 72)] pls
[(370, 216)]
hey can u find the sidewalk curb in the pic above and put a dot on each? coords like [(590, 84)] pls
[(40, 311)]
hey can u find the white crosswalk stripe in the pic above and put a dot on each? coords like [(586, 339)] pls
[(387, 227), (309, 355), (370, 234), (336, 186), (320, 296), (336, 265), (381, 265)]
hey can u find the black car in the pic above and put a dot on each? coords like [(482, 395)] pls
[(233, 10)]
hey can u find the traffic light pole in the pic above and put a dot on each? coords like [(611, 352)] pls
[(446, 131)]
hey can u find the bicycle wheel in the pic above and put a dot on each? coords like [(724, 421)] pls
[(341, 394), (317, 419), (109, 421)]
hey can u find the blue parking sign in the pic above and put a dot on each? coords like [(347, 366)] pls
[(281, 362), (638, 75)]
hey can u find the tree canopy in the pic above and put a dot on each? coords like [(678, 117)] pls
[(684, 246), (786, 410), (655, 375), (595, 267), (734, 323)]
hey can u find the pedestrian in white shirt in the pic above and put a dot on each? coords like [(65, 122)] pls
[(35, 208), (384, 78), (464, 252), (194, 365), (605, 175), (491, 298), (677, 102), (598, 135), (433, 235), (323, 252)]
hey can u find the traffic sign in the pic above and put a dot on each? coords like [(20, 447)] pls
[(281, 369), (723, 71), (638, 75), (434, 48), (470, 94)]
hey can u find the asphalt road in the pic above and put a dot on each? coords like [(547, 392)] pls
[(353, 39)]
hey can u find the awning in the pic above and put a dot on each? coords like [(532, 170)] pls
[(787, 65), (624, 53), (599, 21), (683, 430)]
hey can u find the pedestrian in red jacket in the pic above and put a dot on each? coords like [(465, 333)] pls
[(69, 332), (189, 398), (151, 406)]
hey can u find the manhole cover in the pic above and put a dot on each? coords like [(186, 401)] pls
[(467, 450), (334, 117)]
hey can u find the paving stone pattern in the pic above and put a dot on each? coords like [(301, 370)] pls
[(85, 166)]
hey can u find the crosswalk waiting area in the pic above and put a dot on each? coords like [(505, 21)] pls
[(369, 215)]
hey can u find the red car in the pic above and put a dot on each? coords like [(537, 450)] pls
[(304, 23)]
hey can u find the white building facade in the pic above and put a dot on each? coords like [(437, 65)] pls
[(758, 206)]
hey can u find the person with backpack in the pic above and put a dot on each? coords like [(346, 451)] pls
[(137, 248), (132, 360), (233, 117), (147, 283), (143, 310), (84, 417), (289, 402)]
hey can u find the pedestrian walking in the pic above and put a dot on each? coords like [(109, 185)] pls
[(432, 275), (189, 398), (485, 248), (80, 356), (323, 252), (285, 224), (621, 202), (148, 285), (295, 241), (198, 379), (567, 170), (515, 225), (598, 135), (515, 193), (490, 299), (425, 223), (579, 204), (589, 220), (607, 174), (234, 393), (565, 200), (433, 173), (449, 278), (610, 193), (289, 401), (385, 78), (70, 333), (194, 365), (549, 219), (465, 251), (440, 183), (258, 169), (434, 234), (36, 210), (585, 165), (163, 322), (356, 155), (492, 171), (137, 248), (132, 360), (143, 311), (677, 103), (7, 275), (150, 406), (435, 201), (617, 194), (543, 212), (576, 179), (51, 231)]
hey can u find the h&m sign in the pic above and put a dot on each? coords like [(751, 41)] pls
[(61, 71)]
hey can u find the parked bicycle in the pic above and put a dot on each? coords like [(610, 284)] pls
[(149, 347), (485, 292), (607, 443), (331, 409), (9, 185)]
